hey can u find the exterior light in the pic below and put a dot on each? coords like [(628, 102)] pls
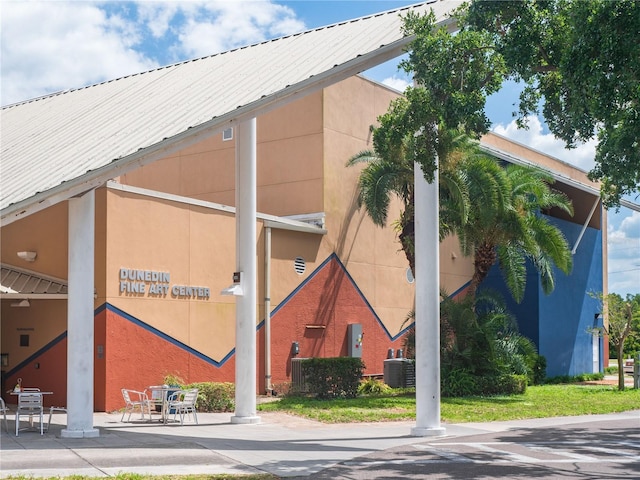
[(28, 256)]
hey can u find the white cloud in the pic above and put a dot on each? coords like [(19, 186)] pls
[(53, 46), (212, 27), (582, 156), (397, 83), (624, 254), (630, 226)]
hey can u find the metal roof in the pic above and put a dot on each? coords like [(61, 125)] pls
[(60, 145), (592, 188), (18, 283)]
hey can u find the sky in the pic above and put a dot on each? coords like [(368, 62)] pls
[(55, 45)]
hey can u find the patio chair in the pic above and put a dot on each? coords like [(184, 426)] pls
[(51, 410), (135, 400), (183, 403), (30, 403), (4, 410)]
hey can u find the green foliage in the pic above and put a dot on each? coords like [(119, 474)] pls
[(214, 397), (372, 386), (337, 377), (536, 402), (584, 377), (173, 380), (579, 59), (539, 370), (481, 351), (457, 71), (502, 384), (458, 383), (622, 323), (504, 224)]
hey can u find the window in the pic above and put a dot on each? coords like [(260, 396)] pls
[(227, 134)]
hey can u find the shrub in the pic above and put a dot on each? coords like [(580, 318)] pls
[(458, 383), (214, 397), (371, 386), (337, 377), (502, 384), (281, 389), (584, 377), (539, 371), (173, 380)]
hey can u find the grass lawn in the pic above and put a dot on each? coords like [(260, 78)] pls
[(537, 402)]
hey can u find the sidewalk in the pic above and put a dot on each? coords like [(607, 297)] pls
[(282, 445)]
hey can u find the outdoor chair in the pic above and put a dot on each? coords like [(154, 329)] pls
[(4, 410), (136, 400), (30, 404), (54, 409), (183, 403)]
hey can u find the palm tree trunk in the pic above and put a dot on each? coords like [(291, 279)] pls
[(485, 256), (407, 239)]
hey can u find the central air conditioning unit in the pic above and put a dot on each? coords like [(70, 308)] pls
[(298, 380), (399, 373)]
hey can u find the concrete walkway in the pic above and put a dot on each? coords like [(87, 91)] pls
[(283, 445)]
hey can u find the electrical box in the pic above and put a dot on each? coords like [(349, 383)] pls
[(354, 337)]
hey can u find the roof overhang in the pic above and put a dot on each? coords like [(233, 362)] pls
[(315, 80), (558, 177), (21, 284)]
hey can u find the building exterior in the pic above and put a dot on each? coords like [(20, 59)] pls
[(165, 252)]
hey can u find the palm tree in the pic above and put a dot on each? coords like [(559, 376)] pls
[(494, 210), (505, 225), (382, 178)]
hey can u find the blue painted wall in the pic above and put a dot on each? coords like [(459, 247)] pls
[(559, 323)]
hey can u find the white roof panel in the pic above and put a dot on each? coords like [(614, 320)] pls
[(81, 138)]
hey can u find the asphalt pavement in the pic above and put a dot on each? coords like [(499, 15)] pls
[(288, 446)]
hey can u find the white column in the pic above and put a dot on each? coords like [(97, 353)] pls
[(80, 322), (427, 325), (246, 262)]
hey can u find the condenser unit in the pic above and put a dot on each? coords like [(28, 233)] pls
[(298, 380), (399, 373)]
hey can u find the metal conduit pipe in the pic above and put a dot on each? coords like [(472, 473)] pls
[(267, 310)]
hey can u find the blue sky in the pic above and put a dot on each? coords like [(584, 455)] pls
[(49, 46)]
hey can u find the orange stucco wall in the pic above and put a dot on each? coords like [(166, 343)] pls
[(289, 152), (355, 273)]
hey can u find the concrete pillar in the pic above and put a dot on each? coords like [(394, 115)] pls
[(80, 321), (246, 262), (427, 324)]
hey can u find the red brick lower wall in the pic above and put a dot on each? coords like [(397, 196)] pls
[(128, 354)]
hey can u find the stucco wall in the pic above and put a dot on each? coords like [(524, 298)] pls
[(559, 323)]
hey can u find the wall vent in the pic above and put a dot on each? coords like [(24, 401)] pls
[(227, 134), (299, 265)]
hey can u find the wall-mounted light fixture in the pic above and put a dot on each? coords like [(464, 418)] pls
[(236, 286), (21, 303), (28, 256)]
